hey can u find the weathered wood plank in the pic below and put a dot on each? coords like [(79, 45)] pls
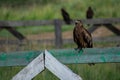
[(17, 58), (93, 28), (107, 39), (14, 32), (65, 41), (112, 28), (58, 33), (101, 21), (59, 69), (31, 70), (88, 55), (68, 56), (97, 39), (26, 23), (51, 22)]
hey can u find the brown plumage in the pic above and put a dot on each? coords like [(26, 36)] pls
[(82, 37), (89, 13), (66, 16)]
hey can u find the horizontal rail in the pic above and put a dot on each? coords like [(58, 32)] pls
[(17, 58), (67, 56), (26, 23), (101, 21), (51, 22), (93, 55), (97, 39), (65, 41)]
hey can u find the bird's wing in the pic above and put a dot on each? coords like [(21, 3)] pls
[(65, 14), (74, 36), (87, 38)]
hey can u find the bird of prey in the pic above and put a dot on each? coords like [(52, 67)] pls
[(89, 13), (82, 37), (66, 16)]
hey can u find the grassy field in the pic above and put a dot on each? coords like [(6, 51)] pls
[(47, 10), (30, 10), (109, 71)]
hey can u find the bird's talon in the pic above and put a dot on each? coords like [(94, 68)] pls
[(76, 48), (80, 51)]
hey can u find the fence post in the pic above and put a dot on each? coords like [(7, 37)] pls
[(58, 33), (32, 69), (59, 69)]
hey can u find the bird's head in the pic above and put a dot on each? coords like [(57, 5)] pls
[(78, 23), (62, 9), (89, 7)]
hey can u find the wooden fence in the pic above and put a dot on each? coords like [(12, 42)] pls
[(58, 24), (37, 61), (67, 56), (46, 61)]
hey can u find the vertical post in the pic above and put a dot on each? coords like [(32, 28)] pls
[(58, 33)]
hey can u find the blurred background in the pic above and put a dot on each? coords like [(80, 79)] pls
[(49, 10), (21, 10)]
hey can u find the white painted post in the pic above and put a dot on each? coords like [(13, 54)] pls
[(32, 69), (58, 69), (51, 63)]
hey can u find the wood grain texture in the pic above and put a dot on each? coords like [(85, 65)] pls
[(58, 69), (46, 60), (31, 70)]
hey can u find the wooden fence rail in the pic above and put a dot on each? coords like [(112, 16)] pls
[(51, 22), (46, 61), (67, 56), (64, 41), (58, 24)]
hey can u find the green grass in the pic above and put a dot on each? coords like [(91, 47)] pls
[(109, 71), (51, 9)]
